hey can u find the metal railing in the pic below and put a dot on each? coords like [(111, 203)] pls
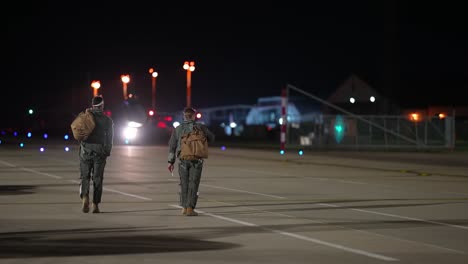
[(348, 130), (383, 132)]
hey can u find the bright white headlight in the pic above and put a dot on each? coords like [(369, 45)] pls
[(129, 133), (134, 124)]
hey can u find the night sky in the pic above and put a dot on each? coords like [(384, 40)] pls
[(414, 53)]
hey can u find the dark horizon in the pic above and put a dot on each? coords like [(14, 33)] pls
[(414, 54)]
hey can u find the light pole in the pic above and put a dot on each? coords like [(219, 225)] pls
[(125, 79), (154, 74), (96, 85), (189, 67)]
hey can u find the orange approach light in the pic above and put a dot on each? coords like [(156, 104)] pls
[(415, 117), (125, 78), (190, 66), (96, 84)]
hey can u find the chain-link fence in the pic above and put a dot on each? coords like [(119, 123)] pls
[(348, 130), (341, 131)]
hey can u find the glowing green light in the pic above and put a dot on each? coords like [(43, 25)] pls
[(339, 128)]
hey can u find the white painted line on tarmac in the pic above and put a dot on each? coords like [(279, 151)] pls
[(311, 178), (73, 181), (258, 210), (411, 241), (337, 246), (120, 192), (221, 217), (345, 227), (301, 237), (7, 164), (128, 194), (396, 216), (352, 182), (41, 173), (357, 251), (265, 173), (30, 170), (237, 190)]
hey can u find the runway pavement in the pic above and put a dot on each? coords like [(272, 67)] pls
[(255, 207)]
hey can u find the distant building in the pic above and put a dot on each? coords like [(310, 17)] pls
[(226, 117), (356, 96), (268, 112), (227, 114)]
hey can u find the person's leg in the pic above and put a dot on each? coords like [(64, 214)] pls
[(98, 178), (194, 183), (184, 168), (86, 167), (85, 176)]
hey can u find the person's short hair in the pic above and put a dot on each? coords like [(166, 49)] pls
[(97, 101), (189, 113)]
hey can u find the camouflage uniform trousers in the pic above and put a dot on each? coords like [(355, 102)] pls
[(190, 174), (92, 168)]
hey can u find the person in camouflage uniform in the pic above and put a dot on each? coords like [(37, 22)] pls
[(93, 156), (190, 171)]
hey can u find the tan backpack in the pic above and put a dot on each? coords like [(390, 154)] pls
[(83, 125), (194, 145)]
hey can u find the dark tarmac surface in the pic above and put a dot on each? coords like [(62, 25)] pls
[(255, 207)]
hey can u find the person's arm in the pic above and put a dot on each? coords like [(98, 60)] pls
[(109, 138), (209, 135), (172, 147)]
